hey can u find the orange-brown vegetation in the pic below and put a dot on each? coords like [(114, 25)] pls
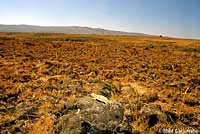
[(40, 74)]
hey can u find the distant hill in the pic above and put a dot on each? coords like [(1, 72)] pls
[(63, 29)]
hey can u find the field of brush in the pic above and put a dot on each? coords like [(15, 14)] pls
[(40, 74)]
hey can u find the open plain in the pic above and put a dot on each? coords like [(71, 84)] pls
[(157, 79)]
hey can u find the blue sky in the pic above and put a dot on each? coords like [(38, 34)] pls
[(177, 18)]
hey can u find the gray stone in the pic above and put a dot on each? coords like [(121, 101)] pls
[(94, 117)]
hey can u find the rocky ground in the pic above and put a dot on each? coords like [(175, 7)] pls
[(145, 84)]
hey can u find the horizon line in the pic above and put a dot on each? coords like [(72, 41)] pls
[(131, 32)]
